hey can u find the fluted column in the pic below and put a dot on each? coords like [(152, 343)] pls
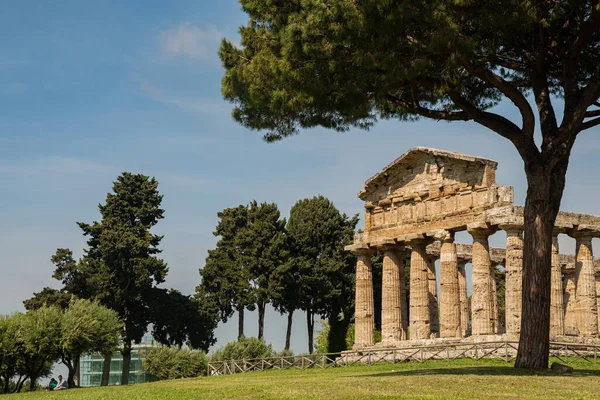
[(481, 310), (587, 312), (364, 318), (449, 291), (434, 311), (420, 327), (403, 298), (557, 315), (569, 302), (494, 297), (514, 278), (598, 298), (391, 294), (464, 302)]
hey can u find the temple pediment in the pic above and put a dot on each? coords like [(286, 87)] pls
[(423, 170)]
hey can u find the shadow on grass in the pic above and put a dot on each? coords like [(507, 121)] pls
[(486, 371)]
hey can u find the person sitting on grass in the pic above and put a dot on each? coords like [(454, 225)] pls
[(51, 385), (62, 384)]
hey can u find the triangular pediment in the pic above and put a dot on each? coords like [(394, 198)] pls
[(424, 169)]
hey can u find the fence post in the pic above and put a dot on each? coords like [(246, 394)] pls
[(566, 353), (302, 362), (595, 349), (422, 351), (369, 358), (476, 353), (323, 361), (506, 351)]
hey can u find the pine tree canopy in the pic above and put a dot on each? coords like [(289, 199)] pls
[(340, 63)]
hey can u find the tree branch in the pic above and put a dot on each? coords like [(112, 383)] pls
[(589, 124), (508, 90), (428, 113), (499, 124), (587, 31), (593, 113)]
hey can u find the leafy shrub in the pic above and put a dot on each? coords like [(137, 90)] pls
[(245, 348), (350, 337), (175, 363)]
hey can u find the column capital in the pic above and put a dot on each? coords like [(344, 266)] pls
[(398, 248), (585, 232), (512, 229), (364, 251), (481, 229), (443, 235)]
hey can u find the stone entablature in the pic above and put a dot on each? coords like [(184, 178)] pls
[(413, 208)]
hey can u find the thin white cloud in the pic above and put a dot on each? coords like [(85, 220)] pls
[(191, 105), (189, 41)]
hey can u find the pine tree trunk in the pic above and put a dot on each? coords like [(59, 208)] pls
[(544, 193), (106, 370), (126, 363), (261, 320), (310, 324), (240, 323), (31, 385), (288, 332)]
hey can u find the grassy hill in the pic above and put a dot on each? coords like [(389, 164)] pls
[(463, 379)]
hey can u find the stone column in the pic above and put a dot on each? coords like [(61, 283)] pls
[(569, 303), (420, 326), (494, 297), (391, 310), (434, 311), (586, 309), (364, 318), (514, 278), (557, 314), (403, 300), (450, 325), (598, 298), (481, 310), (464, 302)]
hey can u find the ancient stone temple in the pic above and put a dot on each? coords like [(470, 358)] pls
[(413, 208)]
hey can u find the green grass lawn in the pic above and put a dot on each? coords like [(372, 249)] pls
[(463, 379)]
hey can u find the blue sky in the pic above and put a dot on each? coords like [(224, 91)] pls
[(91, 89)]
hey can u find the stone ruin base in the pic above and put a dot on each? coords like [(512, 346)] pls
[(475, 347)]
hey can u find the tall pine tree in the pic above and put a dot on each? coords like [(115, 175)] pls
[(318, 234), (123, 255)]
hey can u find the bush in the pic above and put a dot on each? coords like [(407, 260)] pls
[(245, 348), (350, 337), (175, 363)]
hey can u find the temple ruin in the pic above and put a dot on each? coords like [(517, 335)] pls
[(413, 208)]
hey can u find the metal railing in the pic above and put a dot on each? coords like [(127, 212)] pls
[(505, 350)]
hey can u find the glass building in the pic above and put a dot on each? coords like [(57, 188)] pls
[(91, 366)]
